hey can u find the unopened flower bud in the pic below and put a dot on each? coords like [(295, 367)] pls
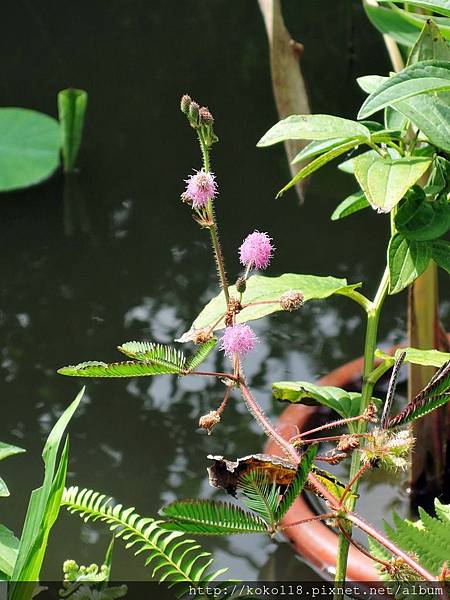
[(292, 300), (194, 113), (185, 104), (241, 285), (205, 116), (209, 421), (347, 443)]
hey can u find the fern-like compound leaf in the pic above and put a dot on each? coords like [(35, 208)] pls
[(202, 353), (119, 369), (208, 517), (157, 354), (174, 558), (260, 494), (434, 395), (428, 539), (298, 483)]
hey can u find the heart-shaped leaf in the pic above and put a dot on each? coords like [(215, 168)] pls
[(386, 180)]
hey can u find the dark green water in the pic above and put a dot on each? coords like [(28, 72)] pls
[(115, 256)]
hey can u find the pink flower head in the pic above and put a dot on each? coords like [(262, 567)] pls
[(256, 250), (200, 188), (238, 339)]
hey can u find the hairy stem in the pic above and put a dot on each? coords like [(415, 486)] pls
[(287, 447), (379, 537), (213, 229), (329, 515)]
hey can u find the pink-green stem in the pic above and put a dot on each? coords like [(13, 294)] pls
[(287, 447), (379, 537)]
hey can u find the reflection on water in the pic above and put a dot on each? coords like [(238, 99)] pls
[(112, 255)]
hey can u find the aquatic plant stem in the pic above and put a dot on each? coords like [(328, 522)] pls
[(370, 345), (213, 228)]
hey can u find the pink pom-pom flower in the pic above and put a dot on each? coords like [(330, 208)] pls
[(238, 339), (200, 188), (256, 250)]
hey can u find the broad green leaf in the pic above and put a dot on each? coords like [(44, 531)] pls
[(346, 404), (9, 450), (9, 545), (421, 220), (317, 163), (431, 114), (385, 180), (428, 112), (350, 205), (72, 105), (392, 23), (370, 83), (44, 505), (426, 358), (313, 127), (93, 368), (441, 254), (407, 260), (295, 488), (439, 6), (320, 147), (29, 147), (209, 517), (4, 492), (426, 76), (430, 45), (266, 289)]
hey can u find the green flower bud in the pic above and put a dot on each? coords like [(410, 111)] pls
[(241, 285), (194, 109), (185, 104)]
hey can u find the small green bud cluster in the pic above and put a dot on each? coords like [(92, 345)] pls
[(199, 117), (75, 572)]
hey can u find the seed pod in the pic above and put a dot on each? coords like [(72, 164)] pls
[(209, 421), (202, 336), (347, 443), (291, 300)]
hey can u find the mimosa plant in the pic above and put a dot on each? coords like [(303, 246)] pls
[(402, 171)]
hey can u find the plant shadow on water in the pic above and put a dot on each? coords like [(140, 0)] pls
[(110, 256)]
